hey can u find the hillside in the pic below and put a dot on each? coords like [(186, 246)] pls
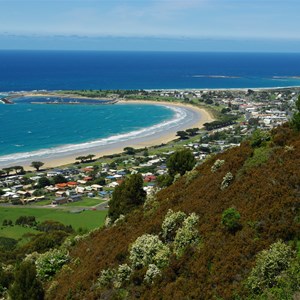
[(265, 191)]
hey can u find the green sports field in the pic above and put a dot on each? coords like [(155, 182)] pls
[(88, 219)]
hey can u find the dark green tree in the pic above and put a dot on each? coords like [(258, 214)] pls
[(182, 135), (37, 165), (26, 286), (192, 131), (90, 157), (180, 162), (127, 196), (43, 181), (129, 150), (59, 179), (231, 219)]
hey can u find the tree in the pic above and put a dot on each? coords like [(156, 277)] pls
[(231, 219), (26, 285), (296, 117), (127, 196), (18, 168), (44, 181), (90, 157), (37, 165), (129, 150), (180, 162), (182, 135), (81, 158), (59, 179), (192, 131), (7, 170)]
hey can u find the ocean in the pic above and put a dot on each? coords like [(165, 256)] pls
[(52, 70), (30, 132)]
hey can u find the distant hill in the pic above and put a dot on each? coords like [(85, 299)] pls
[(265, 191)]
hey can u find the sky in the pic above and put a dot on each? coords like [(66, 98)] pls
[(155, 25)]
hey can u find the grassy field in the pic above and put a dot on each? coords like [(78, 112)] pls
[(85, 219), (85, 202)]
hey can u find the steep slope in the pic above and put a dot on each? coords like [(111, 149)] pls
[(265, 191)]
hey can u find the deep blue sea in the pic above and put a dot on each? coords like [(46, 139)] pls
[(28, 131), (52, 70)]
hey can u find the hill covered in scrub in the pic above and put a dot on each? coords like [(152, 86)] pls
[(232, 232)]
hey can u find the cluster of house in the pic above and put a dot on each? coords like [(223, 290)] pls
[(19, 189)]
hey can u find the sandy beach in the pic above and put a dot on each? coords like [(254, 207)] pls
[(199, 117)]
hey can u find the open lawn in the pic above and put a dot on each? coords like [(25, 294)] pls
[(85, 219), (85, 202)]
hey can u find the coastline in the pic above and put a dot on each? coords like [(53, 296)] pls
[(199, 117)]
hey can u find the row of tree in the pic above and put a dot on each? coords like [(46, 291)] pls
[(19, 169)]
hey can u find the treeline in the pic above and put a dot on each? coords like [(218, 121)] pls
[(224, 121)]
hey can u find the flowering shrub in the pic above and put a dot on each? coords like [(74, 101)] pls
[(152, 273), (149, 249), (119, 220), (122, 275), (190, 176), (106, 277), (227, 179), (48, 263), (186, 235), (172, 221), (108, 222), (217, 165), (269, 267)]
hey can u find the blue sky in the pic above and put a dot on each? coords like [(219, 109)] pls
[(197, 25)]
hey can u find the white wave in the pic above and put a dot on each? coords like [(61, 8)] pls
[(180, 117)]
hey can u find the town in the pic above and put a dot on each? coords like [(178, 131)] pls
[(89, 182)]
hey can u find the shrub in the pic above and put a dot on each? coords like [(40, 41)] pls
[(230, 219), (122, 275), (259, 138), (227, 179), (149, 249), (49, 263), (171, 223), (217, 165), (106, 277), (186, 235), (270, 264), (152, 273)]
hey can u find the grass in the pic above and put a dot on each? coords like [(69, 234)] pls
[(86, 219), (16, 232), (85, 202)]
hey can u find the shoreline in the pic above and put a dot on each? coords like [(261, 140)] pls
[(199, 117)]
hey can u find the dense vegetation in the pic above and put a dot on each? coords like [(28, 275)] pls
[(233, 233)]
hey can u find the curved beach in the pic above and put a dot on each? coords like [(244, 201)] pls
[(185, 116)]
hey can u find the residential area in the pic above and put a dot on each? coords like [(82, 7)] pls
[(90, 184)]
